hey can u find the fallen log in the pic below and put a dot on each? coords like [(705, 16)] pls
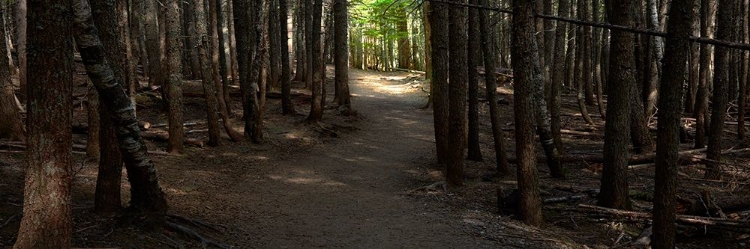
[(683, 219)]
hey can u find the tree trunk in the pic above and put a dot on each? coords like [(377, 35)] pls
[(695, 53), (11, 125), (153, 42), (21, 20), (708, 14), (525, 57), (488, 49), (300, 51), (191, 52), (670, 111), (726, 26), (94, 122), (203, 41), (656, 53), (588, 71), (474, 56), (440, 37), (559, 73), (146, 195), (342, 55), (128, 62), (457, 91), (47, 220), (274, 45), (107, 195), (286, 75), (614, 181), (219, 80), (315, 60), (174, 76)]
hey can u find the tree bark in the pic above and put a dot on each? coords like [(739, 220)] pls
[(708, 14), (21, 30), (153, 42), (614, 181), (315, 61), (287, 106), (11, 125), (174, 76), (720, 100), (488, 49), (695, 52), (457, 91), (670, 111), (146, 195), (203, 41), (220, 80), (440, 37), (47, 220), (474, 56), (559, 73), (341, 25), (107, 195), (525, 56)]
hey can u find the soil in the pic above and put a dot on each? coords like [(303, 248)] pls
[(348, 182)]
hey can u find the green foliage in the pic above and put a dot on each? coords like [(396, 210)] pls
[(379, 18)]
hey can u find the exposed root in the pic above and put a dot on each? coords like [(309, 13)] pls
[(431, 188), (205, 242)]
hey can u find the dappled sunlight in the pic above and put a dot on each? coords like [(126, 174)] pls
[(306, 177)]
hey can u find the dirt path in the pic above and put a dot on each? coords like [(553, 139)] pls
[(349, 192)]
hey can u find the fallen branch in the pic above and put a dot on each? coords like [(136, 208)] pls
[(636, 159), (683, 219), (162, 137)]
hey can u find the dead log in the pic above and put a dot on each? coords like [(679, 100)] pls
[(682, 219)]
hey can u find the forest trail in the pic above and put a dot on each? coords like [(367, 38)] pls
[(348, 193)]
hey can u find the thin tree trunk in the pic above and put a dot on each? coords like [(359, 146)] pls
[(695, 64), (300, 42), (474, 56), (726, 26), (47, 220), (21, 20), (488, 48), (286, 85), (203, 41), (11, 125), (342, 55), (94, 122), (559, 73), (708, 14), (153, 42), (315, 66), (220, 80), (525, 57)]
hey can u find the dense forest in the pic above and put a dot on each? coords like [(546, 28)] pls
[(374, 124)]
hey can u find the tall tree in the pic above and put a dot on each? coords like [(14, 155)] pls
[(670, 111), (47, 220), (726, 25), (107, 195), (458, 77), (22, 21), (341, 42), (219, 76), (174, 76), (440, 37), (525, 56), (614, 181), (300, 44), (488, 49), (145, 193), (153, 41), (559, 72), (286, 85), (708, 15), (11, 125), (474, 57), (206, 63), (315, 60)]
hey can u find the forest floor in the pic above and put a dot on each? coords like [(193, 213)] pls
[(352, 182)]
